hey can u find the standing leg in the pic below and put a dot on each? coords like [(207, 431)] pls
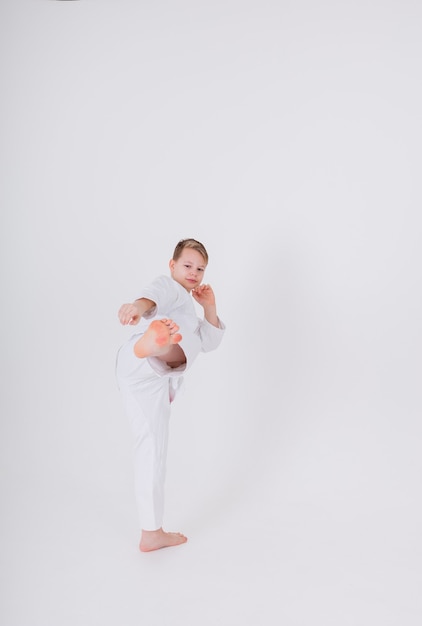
[(147, 403), (148, 410)]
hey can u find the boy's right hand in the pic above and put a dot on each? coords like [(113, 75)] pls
[(129, 314)]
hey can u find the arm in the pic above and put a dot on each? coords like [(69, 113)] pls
[(204, 295), (132, 313)]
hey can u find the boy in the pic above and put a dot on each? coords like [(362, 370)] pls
[(149, 371)]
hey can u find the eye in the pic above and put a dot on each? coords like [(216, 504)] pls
[(186, 265)]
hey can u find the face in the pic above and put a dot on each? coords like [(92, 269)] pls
[(189, 269)]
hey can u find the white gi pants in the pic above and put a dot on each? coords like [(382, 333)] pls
[(148, 386)]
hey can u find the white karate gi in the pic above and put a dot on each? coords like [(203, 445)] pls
[(148, 386)]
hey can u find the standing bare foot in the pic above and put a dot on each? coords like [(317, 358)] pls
[(156, 539), (158, 339)]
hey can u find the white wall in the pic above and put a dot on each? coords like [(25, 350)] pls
[(286, 137)]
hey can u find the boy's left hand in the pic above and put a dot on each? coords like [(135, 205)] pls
[(204, 295)]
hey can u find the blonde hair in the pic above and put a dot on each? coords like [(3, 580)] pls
[(190, 243)]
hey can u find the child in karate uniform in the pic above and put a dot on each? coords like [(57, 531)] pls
[(149, 371)]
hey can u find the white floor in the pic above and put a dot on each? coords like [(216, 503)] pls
[(273, 541), (75, 561)]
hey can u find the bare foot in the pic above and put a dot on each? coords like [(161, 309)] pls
[(158, 339), (156, 539)]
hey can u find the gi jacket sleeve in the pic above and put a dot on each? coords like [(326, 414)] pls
[(163, 291), (210, 335)]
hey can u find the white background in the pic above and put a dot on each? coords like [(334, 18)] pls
[(286, 136)]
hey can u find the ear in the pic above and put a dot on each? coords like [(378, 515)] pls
[(171, 264)]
